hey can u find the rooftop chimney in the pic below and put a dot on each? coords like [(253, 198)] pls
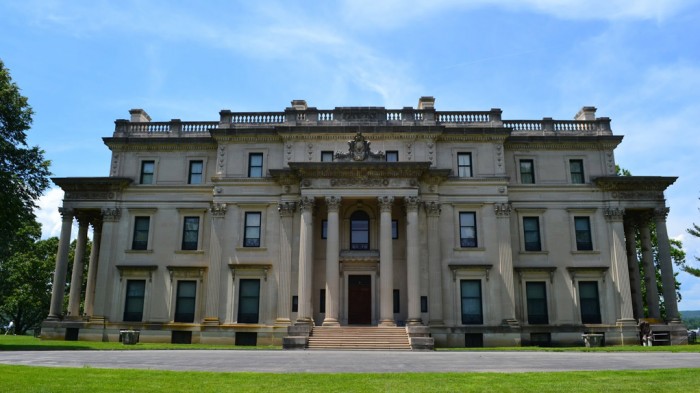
[(426, 102), (139, 116), (586, 113), (299, 105)]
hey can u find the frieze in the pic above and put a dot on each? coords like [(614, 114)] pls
[(84, 195), (614, 213), (111, 214), (363, 182), (658, 195)]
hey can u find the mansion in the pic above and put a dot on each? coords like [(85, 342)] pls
[(459, 228)]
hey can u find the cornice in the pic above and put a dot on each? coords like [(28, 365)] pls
[(159, 144), (344, 170), (563, 142), (634, 183)]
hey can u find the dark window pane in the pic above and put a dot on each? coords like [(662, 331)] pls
[(467, 229), (392, 156), (584, 240), (141, 227), (527, 172), (536, 303), (590, 304), (190, 233), (252, 230), (255, 164), (531, 234), (576, 167), (186, 301), (195, 174), (249, 301), (324, 229), (394, 229), (359, 231), (133, 306), (464, 165), (326, 156), (147, 170), (471, 302)]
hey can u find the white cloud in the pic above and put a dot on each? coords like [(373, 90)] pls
[(47, 213)]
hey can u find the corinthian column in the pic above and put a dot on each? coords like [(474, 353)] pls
[(305, 314), (332, 268), (633, 264), (386, 264), (434, 264), (667, 278), (214, 273), (59, 277), (620, 267), (76, 281), (649, 270), (284, 271), (412, 263), (92, 265)]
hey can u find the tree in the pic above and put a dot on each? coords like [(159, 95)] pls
[(23, 170), (694, 231)]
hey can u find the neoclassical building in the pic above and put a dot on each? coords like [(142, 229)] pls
[(461, 226)]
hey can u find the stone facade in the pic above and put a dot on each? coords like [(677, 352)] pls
[(482, 230)]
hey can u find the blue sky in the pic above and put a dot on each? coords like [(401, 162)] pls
[(84, 64)]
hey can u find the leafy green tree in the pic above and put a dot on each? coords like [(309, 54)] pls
[(23, 170), (694, 231)]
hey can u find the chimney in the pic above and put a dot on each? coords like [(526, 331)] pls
[(299, 105), (426, 102), (586, 113), (139, 116)]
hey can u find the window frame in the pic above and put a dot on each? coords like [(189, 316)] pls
[(184, 246), (327, 153), (521, 173), (252, 167), (598, 318), (395, 229), (469, 167), (324, 229), (574, 176), (240, 316), (580, 245), (356, 245), (476, 319), (391, 153), (177, 317), (191, 173), (127, 299), (538, 231), (247, 226), (143, 173), (463, 240), (532, 318), (136, 231)]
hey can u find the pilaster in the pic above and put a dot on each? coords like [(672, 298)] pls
[(432, 208), (305, 313), (332, 262), (386, 263), (412, 262), (215, 271), (505, 263)]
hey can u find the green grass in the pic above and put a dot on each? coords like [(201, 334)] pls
[(29, 343), (45, 379), (626, 348)]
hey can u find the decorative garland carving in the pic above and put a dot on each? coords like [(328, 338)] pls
[(385, 203), (218, 209), (359, 150), (364, 182), (333, 203), (502, 209)]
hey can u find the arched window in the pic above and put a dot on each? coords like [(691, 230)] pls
[(359, 231)]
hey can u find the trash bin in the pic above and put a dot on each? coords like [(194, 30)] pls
[(692, 336), (129, 337), (593, 340)]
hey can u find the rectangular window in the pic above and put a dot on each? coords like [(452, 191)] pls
[(392, 156), (255, 165), (467, 229), (527, 172), (324, 229), (471, 302), (326, 156), (590, 304), (195, 174), (423, 304), (252, 230), (185, 302), (147, 170), (190, 233), (249, 301), (397, 301), (295, 303), (584, 240), (576, 168), (464, 164), (394, 229), (133, 306), (531, 233), (141, 227), (536, 303), (322, 301)]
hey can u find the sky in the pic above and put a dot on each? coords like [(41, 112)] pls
[(84, 64)]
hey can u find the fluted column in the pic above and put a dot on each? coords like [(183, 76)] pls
[(214, 273), (59, 277), (434, 264), (102, 303), (76, 281), (284, 271), (412, 261), (92, 265), (633, 264), (618, 258), (649, 270), (386, 263), (332, 262), (305, 314), (505, 263), (668, 280)]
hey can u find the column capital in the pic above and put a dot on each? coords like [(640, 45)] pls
[(333, 203), (385, 203), (66, 213), (111, 214), (661, 213), (502, 209), (96, 222), (432, 208), (83, 218), (217, 209), (614, 213), (306, 204), (412, 203), (287, 208)]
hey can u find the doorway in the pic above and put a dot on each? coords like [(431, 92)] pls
[(359, 299)]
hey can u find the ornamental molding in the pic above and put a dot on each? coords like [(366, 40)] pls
[(502, 209), (432, 208), (614, 213), (111, 214), (359, 150), (287, 209), (661, 213), (218, 209), (355, 170), (563, 142), (333, 203), (362, 182), (412, 203), (635, 184), (306, 204), (385, 203)]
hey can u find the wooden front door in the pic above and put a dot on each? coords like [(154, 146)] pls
[(360, 299)]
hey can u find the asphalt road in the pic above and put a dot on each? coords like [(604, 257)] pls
[(353, 361)]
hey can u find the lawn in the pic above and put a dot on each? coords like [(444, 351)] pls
[(44, 379)]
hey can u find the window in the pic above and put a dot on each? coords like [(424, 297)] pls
[(195, 173), (467, 229), (249, 300), (252, 230), (255, 165), (464, 164), (185, 302), (471, 302), (531, 233), (324, 229), (590, 305), (536, 303), (359, 231), (584, 240), (423, 304), (527, 172), (295, 303), (397, 301), (392, 156), (190, 233), (141, 226), (322, 301), (394, 229), (133, 307), (147, 170), (576, 168), (326, 156)]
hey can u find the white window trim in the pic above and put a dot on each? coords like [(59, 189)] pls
[(141, 212), (190, 212), (591, 214), (185, 273), (567, 165), (532, 212), (141, 159), (204, 169), (470, 272), (480, 241), (250, 271)]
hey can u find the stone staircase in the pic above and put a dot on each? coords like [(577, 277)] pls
[(366, 337)]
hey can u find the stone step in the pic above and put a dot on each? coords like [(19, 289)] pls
[(371, 338)]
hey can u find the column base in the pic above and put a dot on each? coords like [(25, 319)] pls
[(304, 321), (73, 318), (54, 318), (436, 323), (211, 321), (330, 322), (387, 323), (283, 322), (414, 322), (626, 322), (675, 321)]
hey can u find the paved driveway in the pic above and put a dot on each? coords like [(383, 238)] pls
[(352, 361)]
